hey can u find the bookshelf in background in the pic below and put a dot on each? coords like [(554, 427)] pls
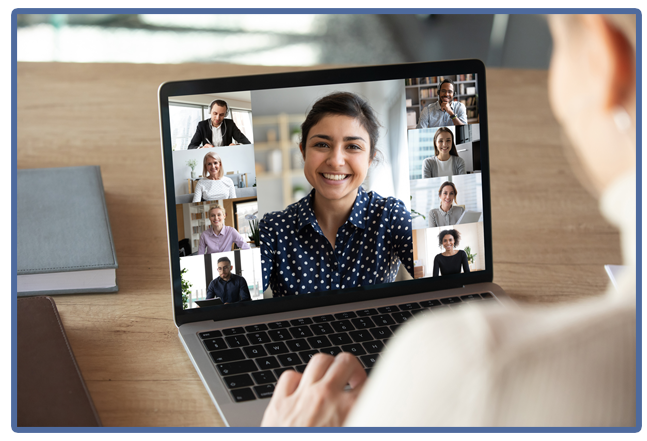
[(424, 90), (279, 164)]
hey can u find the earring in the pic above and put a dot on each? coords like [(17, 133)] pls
[(622, 119)]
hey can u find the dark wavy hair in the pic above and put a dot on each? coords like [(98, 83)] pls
[(346, 104), (454, 233)]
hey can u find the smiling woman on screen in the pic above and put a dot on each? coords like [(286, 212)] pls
[(571, 365), (339, 236), (448, 213), (446, 162), (215, 184)]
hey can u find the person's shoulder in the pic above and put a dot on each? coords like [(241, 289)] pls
[(227, 181), (388, 204), (429, 160), (282, 216)]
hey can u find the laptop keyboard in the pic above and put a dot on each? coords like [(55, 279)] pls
[(250, 359)]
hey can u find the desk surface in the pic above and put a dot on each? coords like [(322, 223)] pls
[(550, 242)]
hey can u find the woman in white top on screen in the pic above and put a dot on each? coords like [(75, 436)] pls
[(448, 213), (446, 162), (574, 365), (214, 185)]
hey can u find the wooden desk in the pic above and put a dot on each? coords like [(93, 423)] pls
[(550, 241)]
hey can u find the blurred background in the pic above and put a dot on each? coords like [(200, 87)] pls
[(500, 40)]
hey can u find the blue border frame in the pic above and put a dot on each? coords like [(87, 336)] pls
[(14, 115)]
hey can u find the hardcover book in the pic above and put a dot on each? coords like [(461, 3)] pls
[(64, 240)]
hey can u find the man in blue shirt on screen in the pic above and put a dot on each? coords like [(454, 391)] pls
[(444, 112), (228, 287)]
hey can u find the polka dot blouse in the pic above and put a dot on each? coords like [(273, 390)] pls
[(297, 258)]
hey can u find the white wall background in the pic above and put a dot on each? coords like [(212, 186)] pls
[(235, 158), (427, 245), (424, 195)]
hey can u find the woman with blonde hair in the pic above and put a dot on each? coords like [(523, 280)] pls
[(219, 237), (214, 184)]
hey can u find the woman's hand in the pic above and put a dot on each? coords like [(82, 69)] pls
[(318, 396)]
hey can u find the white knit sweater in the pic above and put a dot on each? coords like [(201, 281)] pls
[(568, 365)]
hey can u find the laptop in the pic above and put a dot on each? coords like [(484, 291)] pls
[(469, 217), (239, 191)]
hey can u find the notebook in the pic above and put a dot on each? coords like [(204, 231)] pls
[(268, 242)]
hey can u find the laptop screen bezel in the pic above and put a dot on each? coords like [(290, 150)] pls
[(314, 78)]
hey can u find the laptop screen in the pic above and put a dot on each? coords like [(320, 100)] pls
[(296, 191)]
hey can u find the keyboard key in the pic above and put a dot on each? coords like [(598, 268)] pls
[(450, 300), (360, 336), (289, 359), (334, 350), (264, 391), (319, 342), (323, 318), (255, 351), (388, 309), (345, 315), (363, 323), (267, 363), (393, 328), (279, 325), (227, 355), (486, 295), (307, 355), (258, 338), (256, 328), (430, 303), (279, 335), (340, 339), (233, 331), (237, 367), (368, 372), (279, 371), (381, 333), (383, 320), (263, 377), (369, 360), (276, 348), (402, 316), (301, 331), (409, 306), (322, 328), (373, 347), (235, 381), (210, 334), (298, 345), (243, 395), (366, 312), (469, 297), (301, 321), (237, 341), (355, 349), (215, 344), (301, 368), (418, 311), (342, 326)]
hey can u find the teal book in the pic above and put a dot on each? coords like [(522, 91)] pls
[(64, 240)]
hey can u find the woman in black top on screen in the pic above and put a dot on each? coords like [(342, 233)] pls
[(450, 261)]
